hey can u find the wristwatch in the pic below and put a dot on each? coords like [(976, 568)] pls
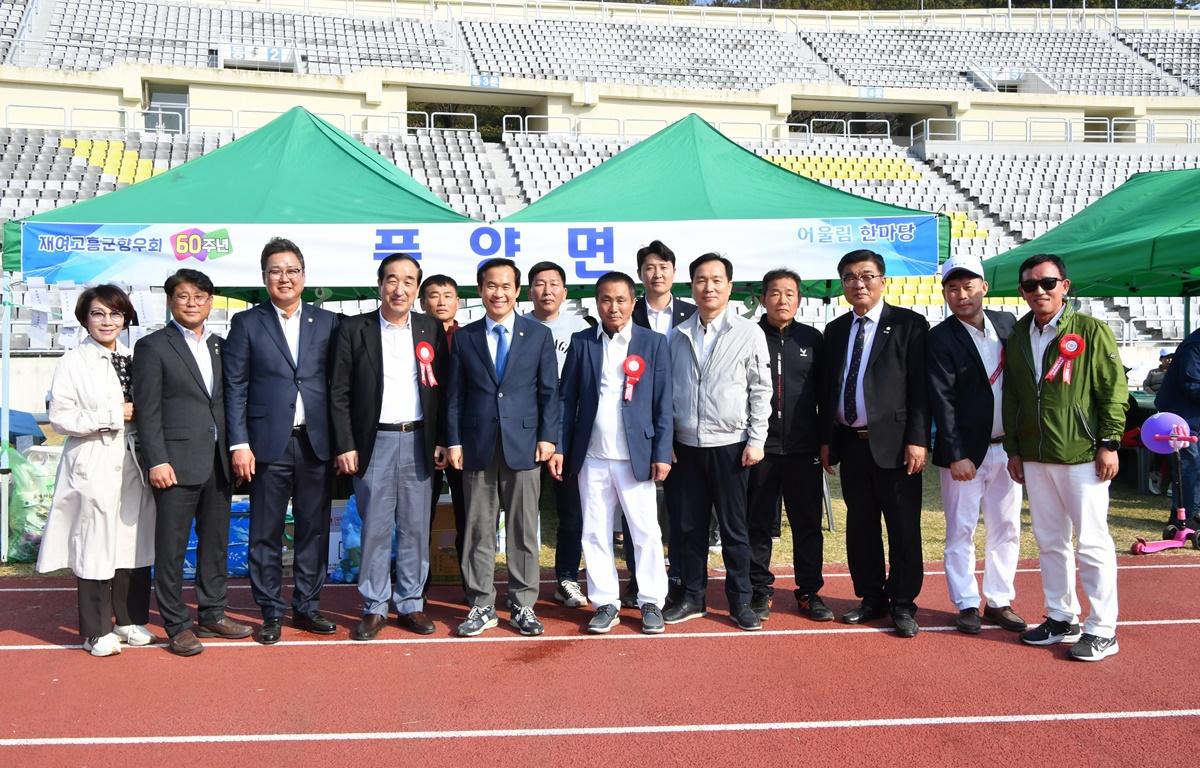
[(1111, 445)]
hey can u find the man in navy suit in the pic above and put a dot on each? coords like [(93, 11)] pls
[(618, 424), (277, 414), (502, 419)]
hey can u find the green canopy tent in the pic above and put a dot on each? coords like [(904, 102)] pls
[(298, 173), (1143, 238), (689, 175)]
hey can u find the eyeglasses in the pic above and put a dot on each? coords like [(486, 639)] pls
[(865, 279), (99, 316), (1045, 283), (191, 298), (291, 273)]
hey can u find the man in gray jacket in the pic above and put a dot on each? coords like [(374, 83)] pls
[(722, 400)]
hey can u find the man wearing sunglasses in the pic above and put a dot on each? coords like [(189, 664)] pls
[(1064, 408)]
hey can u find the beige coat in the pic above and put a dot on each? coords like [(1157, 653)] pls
[(102, 516)]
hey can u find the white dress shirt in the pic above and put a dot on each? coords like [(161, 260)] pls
[(860, 400), (401, 388), (608, 431), (662, 320), (987, 343), (199, 349), (291, 334), (708, 336), (508, 322), (1041, 338)]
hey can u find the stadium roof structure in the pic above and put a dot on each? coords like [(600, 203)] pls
[(690, 171), (1141, 239), (296, 169)]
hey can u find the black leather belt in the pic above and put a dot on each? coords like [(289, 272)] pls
[(403, 426), (997, 440), (860, 433), (299, 430)]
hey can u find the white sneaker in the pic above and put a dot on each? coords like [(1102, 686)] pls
[(108, 645), (134, 634)]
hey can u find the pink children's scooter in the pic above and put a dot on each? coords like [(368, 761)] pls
[(1159, 440)]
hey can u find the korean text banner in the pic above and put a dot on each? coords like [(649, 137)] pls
[(346, 255)]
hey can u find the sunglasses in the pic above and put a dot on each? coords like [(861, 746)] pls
[(1046, 284)]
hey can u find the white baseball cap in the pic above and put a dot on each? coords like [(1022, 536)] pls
[(962, 263)]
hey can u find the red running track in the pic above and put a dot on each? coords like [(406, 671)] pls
[(705, 693)]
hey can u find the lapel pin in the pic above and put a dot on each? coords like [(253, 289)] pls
[(887, 329), (520, 333), (310, 319)]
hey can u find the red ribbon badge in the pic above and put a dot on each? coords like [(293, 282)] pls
[(1070, 347), (634, 367), (425, 358)]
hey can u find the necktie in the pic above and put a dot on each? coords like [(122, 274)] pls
[(501, 349), (850, 392)]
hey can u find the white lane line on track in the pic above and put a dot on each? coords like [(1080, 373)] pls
[(619, 730), (713, 577), (729, 633)]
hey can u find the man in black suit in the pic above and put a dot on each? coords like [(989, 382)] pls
[(276, 369), (179, 406), (389, 368), (966, 376), (659, 310), (875, 423)]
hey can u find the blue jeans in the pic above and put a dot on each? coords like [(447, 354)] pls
[(1189, 467)]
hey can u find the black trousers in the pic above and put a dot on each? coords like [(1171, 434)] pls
[(454, 479), (568, 549), (126, 595), (208, 505), (711, 478), (797, 479), (871, 491), (301, 477)]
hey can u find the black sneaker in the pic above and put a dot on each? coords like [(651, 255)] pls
[(607, 617), (652, 620), (1093, 648), (629, 594), (745, 618), (479, 619), (526, 622), (684, 610), (812, 606), (761, 605), (1051, 631), (569, 594)]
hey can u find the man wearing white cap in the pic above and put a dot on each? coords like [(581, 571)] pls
[(966, 377)]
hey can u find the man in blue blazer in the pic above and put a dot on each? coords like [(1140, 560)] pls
[(618, 424), (276, 365), (502, 419)]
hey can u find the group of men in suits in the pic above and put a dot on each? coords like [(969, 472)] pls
[(734, 419)]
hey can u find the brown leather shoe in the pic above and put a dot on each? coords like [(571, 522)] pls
[(368, 627), (1005, 617), (417, 622), (185, 644), (226, 628)]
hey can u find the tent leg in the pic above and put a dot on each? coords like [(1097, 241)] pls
[(1187, 315), (5, 359)]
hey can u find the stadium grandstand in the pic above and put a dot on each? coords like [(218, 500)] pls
[(1007, 121)]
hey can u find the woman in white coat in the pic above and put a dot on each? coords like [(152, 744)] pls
[(101, 523)]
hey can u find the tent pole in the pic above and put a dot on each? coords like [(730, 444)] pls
[(5, 355)]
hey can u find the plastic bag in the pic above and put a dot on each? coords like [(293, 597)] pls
[(346, 570), (30, 496)]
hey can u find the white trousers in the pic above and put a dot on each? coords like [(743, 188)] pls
[(1066, 499), (605, 488), (995, 494)]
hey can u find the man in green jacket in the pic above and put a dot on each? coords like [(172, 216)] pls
[(1065, 397)]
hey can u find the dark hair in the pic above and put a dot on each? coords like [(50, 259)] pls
[(279, 245), (437, 281), (391, 257), (656, 248), (616, 277), (1043, 258), (542, 266), (707, 258), (193, 276), (780, 274), (110, 296), (861, 255), (497, 262)]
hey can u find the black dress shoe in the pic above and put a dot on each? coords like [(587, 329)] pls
[(314, 622), (905, 622), (812, 606), (865, 612), (967, 621), (674, 594), (761, 605), (368, 627), (417, 622), (684, 610), (270, 632)]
